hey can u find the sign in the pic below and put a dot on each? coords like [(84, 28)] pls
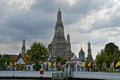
[(41, 71)]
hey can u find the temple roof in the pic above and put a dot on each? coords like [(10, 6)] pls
[(81, 52)]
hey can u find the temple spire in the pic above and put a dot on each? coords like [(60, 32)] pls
[(23, 47), (89, 56), (59, 17), (59, 28), (81, 55), (68, 38), (59, 8)]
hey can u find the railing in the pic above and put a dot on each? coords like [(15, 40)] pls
[(61, 75)]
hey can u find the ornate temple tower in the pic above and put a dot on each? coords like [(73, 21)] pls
[(89, 56), (69, 53), (59, 45), (82, 55), (23, 49), (68, 43)]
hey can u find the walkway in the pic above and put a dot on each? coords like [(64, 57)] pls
[(90, 75)]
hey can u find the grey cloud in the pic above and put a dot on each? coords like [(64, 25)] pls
[(115, 21), (98, 40), (112, 22), (100, 24), (45, 5), (31, 24), (86, 6), (71, 14), (3, 8), (83, 31)]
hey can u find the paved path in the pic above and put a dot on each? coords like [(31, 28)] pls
[(97, 75), (90, 75)]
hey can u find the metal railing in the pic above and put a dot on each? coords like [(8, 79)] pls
[(61, 75)]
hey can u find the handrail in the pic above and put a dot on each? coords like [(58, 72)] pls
[(61, 75)]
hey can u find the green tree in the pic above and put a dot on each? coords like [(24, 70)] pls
[(37, 53), (116, 57), (62, 60), (4, 61), (110, 48), (109, 54)]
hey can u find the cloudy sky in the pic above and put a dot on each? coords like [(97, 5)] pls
[(95, 21)]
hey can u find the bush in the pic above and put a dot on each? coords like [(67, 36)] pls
[(37, 67)]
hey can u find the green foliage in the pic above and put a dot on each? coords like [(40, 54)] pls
[(20, 67), (29, 57), (107, 55), (37, 67), (62, 60), (110, 48), (37, 53), (4, 61)]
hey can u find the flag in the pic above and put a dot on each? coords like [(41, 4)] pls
[(89, 64), (10, 63), (5, 63), (94, 64), (112, 65), (14, 63), (77, 63), (49, 64), (83, 64), (117, 64), (54, 64), (59, 64), (45, 63)]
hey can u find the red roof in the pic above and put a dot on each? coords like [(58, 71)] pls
[(14, 57), (23, 56)]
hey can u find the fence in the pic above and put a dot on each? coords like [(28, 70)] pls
[(61, 75)]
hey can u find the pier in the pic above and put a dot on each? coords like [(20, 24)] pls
[(48, 75)]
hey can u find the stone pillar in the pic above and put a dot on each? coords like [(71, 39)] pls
[(85, 69), (75, 68), (65, 69), (80, 69), (68, 68), (49, 68)]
